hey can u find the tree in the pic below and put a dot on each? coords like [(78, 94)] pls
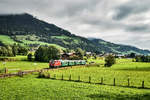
[(53, 53), (132, 55), (15, 49), (142, 58), (80, 53), (109, 60), (30, 56), (22, 50), (47, 53), (9, 51), (67, 50), (94, 55), (3, 51), (138, 59)]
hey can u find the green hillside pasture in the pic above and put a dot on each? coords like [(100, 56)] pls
[(31, 37), (6, 40), (61, 37), (108, 74), (73, 40), (41, 43), (31, 88), (22, 65)]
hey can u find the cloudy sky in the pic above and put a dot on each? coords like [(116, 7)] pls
[(118, 21)]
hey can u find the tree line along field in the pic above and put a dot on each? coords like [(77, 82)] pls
[(31, 87)]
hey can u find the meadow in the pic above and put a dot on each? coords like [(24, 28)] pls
[(21, 63), (34, 88), (30, 87), (6, 39), (135, 76)]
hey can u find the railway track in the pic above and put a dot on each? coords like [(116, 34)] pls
[(21, 73)]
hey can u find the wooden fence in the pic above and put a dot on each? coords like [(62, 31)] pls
[(42, 75), (19, 73)]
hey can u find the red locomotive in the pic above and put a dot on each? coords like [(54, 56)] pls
[(54, 63)]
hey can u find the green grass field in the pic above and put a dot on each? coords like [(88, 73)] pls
[(17, 58), (41, 43), (6, 40), (20, 63), (14, 66), (96, 73), (32, 88), (123, 70)]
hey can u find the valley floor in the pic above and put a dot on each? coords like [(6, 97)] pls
[(30, 87)]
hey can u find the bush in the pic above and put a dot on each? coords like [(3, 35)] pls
[(109, 60), (30, 56)]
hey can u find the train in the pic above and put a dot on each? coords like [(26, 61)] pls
[(65, 63)]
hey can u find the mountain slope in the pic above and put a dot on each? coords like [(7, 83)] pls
[(118, 48), (30, 31)]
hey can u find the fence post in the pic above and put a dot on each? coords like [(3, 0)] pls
[(79, 78), (128, 82), (142, 84), (114, 81), (49, 75), (6, 70), (54, 76), (40, 74), (70, 77), (101, 80), (20, 73), (39, 70), (62, 77), (89, 79)]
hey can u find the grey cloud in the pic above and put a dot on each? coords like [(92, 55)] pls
[(75, 8), (131, 7), (138, 28)]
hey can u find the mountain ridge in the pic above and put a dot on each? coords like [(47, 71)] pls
[(30, 31)]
